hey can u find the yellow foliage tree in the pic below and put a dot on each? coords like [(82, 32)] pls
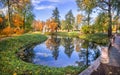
[(79, 18)]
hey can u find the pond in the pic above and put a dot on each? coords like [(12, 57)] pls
[(59, 51)]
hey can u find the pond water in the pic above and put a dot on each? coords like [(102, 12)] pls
[(59, 51)]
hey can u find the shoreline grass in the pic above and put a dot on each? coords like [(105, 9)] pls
[(98, 38), (12, 65), (70, 34)]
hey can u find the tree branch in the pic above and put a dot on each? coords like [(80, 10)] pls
[(105, 2), (102, 8)]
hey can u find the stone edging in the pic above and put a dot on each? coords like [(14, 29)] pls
[(92, 67), (103, 58)]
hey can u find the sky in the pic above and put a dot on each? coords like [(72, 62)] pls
[(43, 8)]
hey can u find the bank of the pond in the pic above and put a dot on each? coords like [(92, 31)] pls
[(70, 34), (10, 64), (99, 38)]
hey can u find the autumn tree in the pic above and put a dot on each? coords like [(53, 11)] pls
[(56, 17), (21, 7), (1, 21), (48, 21), (51, 25), (10, 6), (79, 18), (17, 20), (38, 25), (70, 19), (24, 7)]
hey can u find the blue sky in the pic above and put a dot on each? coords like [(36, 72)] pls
[(43, 8)]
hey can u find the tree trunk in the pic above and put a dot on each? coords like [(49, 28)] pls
[(88, 18), (87, 56), (56, 29), (110, 20), (68, 28), (9, 23), (24, 20)]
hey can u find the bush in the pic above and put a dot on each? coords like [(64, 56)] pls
[(7, 31), (18, 31)]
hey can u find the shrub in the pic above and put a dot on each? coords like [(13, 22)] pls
[(7, 31)]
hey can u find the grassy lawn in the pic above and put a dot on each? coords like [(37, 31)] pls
[(10, 64)]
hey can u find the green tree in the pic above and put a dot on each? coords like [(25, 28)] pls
[(70, 19), (101, 22), (85, 29), (8, 4), (63, 24), (87, 6), (56, 17), (109, 6)]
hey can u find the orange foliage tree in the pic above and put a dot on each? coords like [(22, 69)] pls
[(41, 25), (18, 23), (38, 25), (51, 24), (1, 20), (7, 31)]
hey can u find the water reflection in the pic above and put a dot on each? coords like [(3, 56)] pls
[(53, 44), (63, 51), (68, 45)]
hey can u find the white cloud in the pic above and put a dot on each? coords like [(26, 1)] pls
[(37, 6), (39, 1), (44, 7)]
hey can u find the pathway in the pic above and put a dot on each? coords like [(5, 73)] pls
[(113, 66)]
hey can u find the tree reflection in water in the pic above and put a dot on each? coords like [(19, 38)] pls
[(68, 45), (53, 44), (63, 51)]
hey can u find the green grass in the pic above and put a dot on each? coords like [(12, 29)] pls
[(70, 34), (10, 64), (99, 38)]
